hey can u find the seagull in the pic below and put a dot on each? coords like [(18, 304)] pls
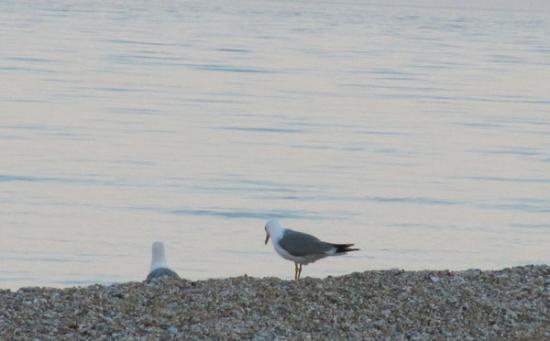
[(159, 266), (299, 247)]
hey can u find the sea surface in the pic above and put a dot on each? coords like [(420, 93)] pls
[(420, 131)]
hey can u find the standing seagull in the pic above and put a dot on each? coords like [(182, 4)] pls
[(159, 266), (299, 247)]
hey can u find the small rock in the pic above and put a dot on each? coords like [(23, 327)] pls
[(264, 335), (172, 330)]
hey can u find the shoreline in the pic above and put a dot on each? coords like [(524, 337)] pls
[(417, 305)]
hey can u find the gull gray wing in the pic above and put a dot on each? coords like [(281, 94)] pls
[(301, 244), (161, 272)]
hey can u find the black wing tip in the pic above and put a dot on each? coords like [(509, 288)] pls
[(341, 248)]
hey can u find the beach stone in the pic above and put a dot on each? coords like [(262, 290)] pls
[(264, 335)]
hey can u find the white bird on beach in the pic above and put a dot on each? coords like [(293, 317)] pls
[(159, 266), (299, 247)]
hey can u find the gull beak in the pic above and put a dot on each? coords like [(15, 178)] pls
[(266, 238)]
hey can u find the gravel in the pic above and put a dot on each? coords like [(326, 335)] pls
[(509, 304)]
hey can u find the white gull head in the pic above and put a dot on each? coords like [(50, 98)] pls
[(274, 230), (159, 258)]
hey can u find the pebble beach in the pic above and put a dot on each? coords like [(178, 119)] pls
[(508, 304)]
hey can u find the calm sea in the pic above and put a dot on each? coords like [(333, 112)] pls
[(421, 133)]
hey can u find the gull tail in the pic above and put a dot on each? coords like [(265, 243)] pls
[(343, 248)]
